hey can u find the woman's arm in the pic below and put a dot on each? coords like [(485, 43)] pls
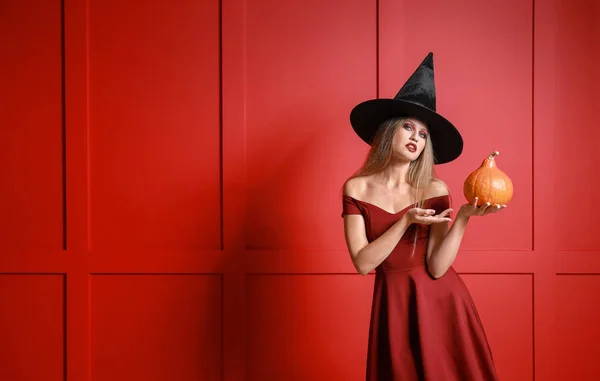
[(441, 256), (367, 256)]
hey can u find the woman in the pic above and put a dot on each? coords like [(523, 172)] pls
[(424, 324)]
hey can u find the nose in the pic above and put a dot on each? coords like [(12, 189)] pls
[(413, 137)]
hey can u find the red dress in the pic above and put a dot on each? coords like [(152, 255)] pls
[(421, 328)]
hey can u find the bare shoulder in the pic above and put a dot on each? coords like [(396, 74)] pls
[(355, 187), (437, 188)]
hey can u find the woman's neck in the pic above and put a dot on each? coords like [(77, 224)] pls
[(394, 176)]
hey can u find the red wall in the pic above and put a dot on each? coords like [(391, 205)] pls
[(170, 203)]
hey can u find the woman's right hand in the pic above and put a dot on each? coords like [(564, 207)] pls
[(426, 216)]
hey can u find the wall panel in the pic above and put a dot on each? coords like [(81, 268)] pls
[(578, 336), (155, 125), (505, 305), (156, 327), (31, 133), (32, 327), (307, 327), (567, 137), (301, 82)]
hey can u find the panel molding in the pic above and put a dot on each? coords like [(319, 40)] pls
[(234, 263), (234, 184)]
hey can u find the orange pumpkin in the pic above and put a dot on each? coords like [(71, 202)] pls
[(488, 183)]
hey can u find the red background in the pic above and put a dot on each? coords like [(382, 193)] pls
[(171, 174)]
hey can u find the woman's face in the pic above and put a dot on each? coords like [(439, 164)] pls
[(410, 139)]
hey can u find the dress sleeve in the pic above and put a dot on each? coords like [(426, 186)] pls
[(349, 206)]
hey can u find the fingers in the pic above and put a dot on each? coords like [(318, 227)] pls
[(431, 212), (482, 210), (446, 212), (420, 215), (496, 208), (488, 208), (424, 212), (438, 219), (427, 220)]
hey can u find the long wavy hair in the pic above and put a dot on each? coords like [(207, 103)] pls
[(420, 172)]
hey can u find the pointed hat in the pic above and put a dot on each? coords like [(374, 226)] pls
[(415, 99)]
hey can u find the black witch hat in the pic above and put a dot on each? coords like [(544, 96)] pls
[(415, 99)]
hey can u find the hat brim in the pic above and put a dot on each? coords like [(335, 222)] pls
[(367, 116)]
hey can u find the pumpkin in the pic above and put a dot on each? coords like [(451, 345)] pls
[(488, 183)]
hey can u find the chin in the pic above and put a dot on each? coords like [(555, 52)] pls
[(407, 156)]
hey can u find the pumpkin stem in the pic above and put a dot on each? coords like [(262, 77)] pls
[(493, 154)]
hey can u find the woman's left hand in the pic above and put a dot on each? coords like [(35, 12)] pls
[(468, 210)]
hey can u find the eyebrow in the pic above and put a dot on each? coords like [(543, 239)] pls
[(413, 125)]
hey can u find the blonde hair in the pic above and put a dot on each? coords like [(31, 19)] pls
[(420, 172)]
